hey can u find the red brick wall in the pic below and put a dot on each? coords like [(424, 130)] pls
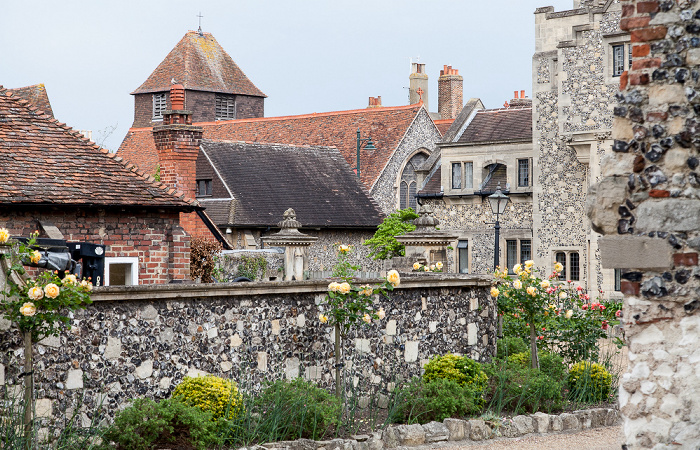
[(156, 239), (178, 147)]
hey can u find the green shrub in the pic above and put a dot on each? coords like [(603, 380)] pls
[(460, 369), (296, 409), (509, 346), (589, 382), (423, 401), (146, 424), (212, 394), (516, 388), (551, 364)]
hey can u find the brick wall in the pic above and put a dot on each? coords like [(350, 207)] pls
[(450, 93), (155, 239), (143, 111), (202, 105), (649, 206), (249, 107)]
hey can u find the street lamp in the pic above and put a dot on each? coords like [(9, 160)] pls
[(368, 146), (498, 201)]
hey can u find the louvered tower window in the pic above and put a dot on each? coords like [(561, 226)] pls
[(160, 104), (225, 107)]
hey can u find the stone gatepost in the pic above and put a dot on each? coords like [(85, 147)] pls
[(426, 244), (295, 244), (648, 206)]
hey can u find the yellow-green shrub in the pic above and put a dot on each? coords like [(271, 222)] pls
[(589, 381), (461, 369), (213, 394)]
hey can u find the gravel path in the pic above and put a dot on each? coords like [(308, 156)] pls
[(605, 438)]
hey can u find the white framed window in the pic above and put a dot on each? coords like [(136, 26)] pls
[(160, 104), (121, 271), (621, 58), (571, 260), (517, 252)]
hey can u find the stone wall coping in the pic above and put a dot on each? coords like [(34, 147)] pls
[(188, 291)]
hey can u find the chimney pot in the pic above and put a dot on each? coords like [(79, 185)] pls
[(515, 94), (522, 94), (177, 97)]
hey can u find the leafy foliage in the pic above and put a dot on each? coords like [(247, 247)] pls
[(551, 364), (517, 388), (383, 243), (510, 345), (211, 394), (146, 424), (460, 369), (589, 382), (203, 254), (423, 401), (252, 267), (343, 268)]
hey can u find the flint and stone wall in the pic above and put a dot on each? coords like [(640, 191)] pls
[(141, 341), (649, 207)]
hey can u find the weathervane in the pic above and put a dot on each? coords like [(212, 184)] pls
[(200, 23)]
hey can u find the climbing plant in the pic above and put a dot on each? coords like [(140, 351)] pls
[(384, 244)]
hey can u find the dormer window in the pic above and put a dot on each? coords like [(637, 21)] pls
[(225, 107), (160, 102), (204, 188)]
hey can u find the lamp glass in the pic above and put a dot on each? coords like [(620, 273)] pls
[(498, 202)]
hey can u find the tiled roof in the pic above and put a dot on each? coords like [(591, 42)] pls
[(386, 126), (199, 63), (505, 124), (266, 179), (43, 161), (443, 125), (37, 96), (434, 183)]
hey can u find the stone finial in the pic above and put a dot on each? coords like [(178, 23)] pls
[(426, 219), (290, 220)]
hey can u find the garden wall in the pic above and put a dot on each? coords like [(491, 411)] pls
[(141, 341)]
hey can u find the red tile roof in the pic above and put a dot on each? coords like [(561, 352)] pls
[(37, 96), (43, 161), (386, 126), (199, 63), (505, 124), (443, 125)]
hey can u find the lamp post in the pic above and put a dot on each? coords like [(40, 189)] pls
[(368, 146), (498, 201)]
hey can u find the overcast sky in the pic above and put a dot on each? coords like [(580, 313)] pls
[(306, 55)]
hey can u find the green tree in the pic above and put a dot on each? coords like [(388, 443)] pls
[(384, 244)]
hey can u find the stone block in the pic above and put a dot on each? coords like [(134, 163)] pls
[(43, 407), (165, 383), (390, 438), (670, 215), (666, 94), (569, 422), (193, 373), (375, 442), (410, 435), (634, 252), (362, 345), (236, 341), (459, 429), (145, 370), (603, 201), (509, 430), (411, 351), (275, 325), (556, 424), (74, 379), (149, 313), (584, 418), (262, 361), (212, 332), (51, 341), (598, 416), (541, 422), (436, 432), (301, 320), (524, 424), (391, 327), (472, 333), (291, 368), (2, 374), (612, 418), (478, 430), (226, 366), (313, 372)]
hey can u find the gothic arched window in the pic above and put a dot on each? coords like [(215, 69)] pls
[(408, 186)]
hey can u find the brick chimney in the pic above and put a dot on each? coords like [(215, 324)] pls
[(520, 101), (177, 142), (418, 79), (449, 93), (375, 102)]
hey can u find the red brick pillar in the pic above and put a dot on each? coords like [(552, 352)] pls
[(450, 101)]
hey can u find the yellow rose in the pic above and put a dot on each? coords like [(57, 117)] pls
[(517, 269), (529, 263), (562, 295), (495, 292), (432, 267), (4, 235), (569, 313), (366, 290), (416, 265), (426, 269), (517, 284), (381, 314), (51, 290), (366, 318), (28, 309), (558, 267), (35, 257), (333, 287), (344, 288), (323, 318), (86, 285), (393, 278), (532, 290), (70, 279), (343, 248), (438, 265), (35, 293), (544, 284)]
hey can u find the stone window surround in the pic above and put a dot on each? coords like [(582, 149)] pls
[(503, 258), (469, 238), (133, 260), (399, 173), (609, 40), (568, 250)]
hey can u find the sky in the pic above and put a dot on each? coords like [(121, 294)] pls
[(305, 55)]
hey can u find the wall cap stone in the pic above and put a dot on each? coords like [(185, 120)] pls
[(634, 252)]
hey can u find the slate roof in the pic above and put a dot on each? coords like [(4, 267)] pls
[(199, 63), (266, 179), (505, 124), (44, 162), (37, 96), (386, 125), (434, 183)]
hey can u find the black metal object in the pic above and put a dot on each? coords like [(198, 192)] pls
[(92, 260), (54, 255)]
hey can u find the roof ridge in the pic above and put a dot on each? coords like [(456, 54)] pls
[(510, 108), (229, 141)]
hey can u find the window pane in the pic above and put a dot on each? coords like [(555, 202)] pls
[(412, 194), (456, 175), (468, 175), (523, 172), (209, 186), (463, 256), (511, 254), (403, 195), (575, 269), (561, 259), (629, 56), (120, 274), (618, 279), (525, 250), (618, 60)]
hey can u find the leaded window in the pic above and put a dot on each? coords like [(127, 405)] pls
[(618, 59), (408, 186), (523, 172), (456, 175)]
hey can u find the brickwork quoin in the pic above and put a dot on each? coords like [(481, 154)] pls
[(655, 203)]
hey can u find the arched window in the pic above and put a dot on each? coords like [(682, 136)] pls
[(408, 185)]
